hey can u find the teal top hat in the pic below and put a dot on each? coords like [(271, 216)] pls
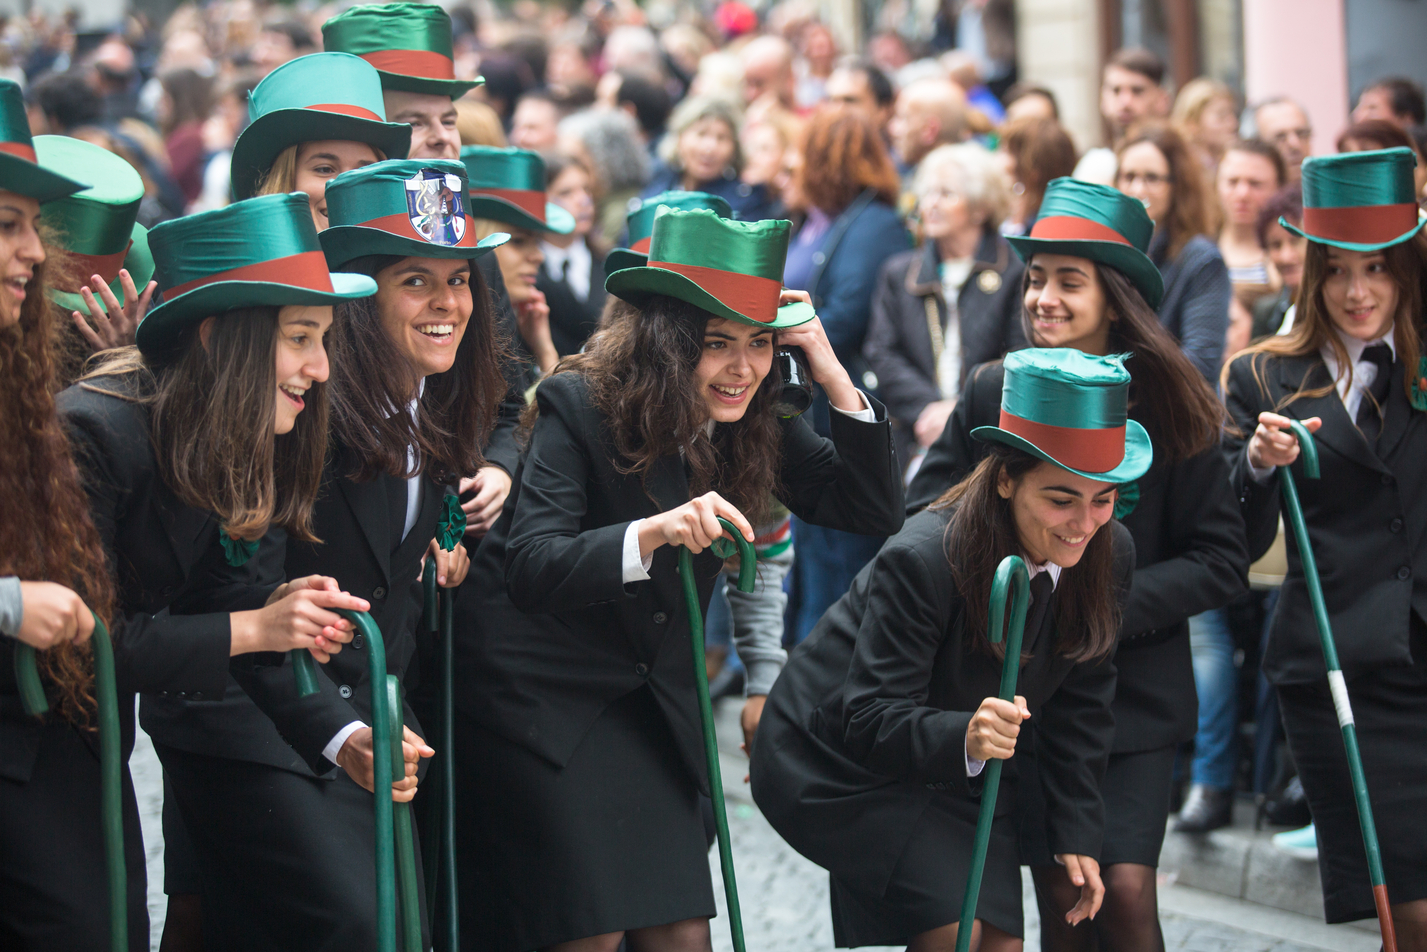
[(639, 224), (1096, 222), (308, 99), (410, 207), (253, 253), (1361, 201), (732, 269), (508, 185), (408, 43), (20, 171), (99, 225), (1070, 408)]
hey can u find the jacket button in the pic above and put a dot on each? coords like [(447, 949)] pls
[(357, 642), (378, 592), (1386, 479), (660, 618), (1404, 573), (345, 690), (1396, 525), (166, 591), (641, 669)]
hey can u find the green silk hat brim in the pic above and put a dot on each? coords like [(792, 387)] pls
[(621, 258), (1139, 454), (160, 329), (260, 144), (27, 178), (637, 285), (491, 208), (454, 88), (344, 243), (1133, 263), (1355, 245), (138, 262)]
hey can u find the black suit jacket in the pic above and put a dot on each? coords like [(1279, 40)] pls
[(867, 723), (899, 345), (548, 634), (160, 551), (572, 321), (1190, 557), (1366, 516), (501, 448)]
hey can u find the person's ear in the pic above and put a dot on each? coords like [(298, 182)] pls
[(1005, 486), (205, 331)]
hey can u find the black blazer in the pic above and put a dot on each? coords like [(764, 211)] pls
[(572, 321), (501, 448), (899, 344), (159, 550), (1190, 556), (867, 723), (548, 634), (1366, 515)]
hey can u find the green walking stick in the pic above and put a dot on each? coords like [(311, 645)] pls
[(747, 570), (408, 888), (1336, 683), (1012, 577), (111, 798)]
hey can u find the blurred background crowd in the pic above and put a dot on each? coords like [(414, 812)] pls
[(904, 142)]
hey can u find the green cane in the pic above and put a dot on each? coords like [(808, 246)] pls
[(407, 886), (1011, 576), (1336, 684), (111, 797), (747, 571)]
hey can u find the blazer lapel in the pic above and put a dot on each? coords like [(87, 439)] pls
[(184, 526), (369, 507), (1398, 416)]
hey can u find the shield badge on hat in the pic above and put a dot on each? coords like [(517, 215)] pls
[(433, 202)]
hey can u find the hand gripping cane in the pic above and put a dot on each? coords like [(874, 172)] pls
[(1336, 683), (747, 570), (111, 809), (1010, 574)]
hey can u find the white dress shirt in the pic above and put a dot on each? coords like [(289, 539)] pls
[(572, 265)]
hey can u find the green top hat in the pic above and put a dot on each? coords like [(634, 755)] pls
[(1361, 201), (1096, 222), (408, 43), (410, 207), (732, 269), (640, 224), (508, 185), (1070, 408), (253, 253), (20, 171), (314, 97), (97, 226)]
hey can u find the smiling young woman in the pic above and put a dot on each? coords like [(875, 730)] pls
[(1097, 296), (875, 735), (579, 758), (1350, 369)]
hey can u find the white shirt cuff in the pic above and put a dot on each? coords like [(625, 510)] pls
[(635, 568), (865, 415), (1258, 474), (334, 746), (974, 766)]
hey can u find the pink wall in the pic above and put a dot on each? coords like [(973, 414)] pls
[(1298, 48)]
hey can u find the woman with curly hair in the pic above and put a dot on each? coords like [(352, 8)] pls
[(578, 748)]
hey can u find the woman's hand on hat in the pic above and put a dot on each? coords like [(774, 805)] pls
[(823, 364), (113, 324), (1084, 871), (1273, 443), (694, 525), (299, 614)]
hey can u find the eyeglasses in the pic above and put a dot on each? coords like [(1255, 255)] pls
[(1150, 179)]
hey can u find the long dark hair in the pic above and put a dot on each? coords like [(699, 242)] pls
[(46, 533), (982, 532), (373, 382), (1189, 204), (639, 367), (1168, 395), (213, 409)]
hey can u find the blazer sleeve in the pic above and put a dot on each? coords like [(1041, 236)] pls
[(851, 482), (1073, 735), (152, 652), (845, 291), (1204, 313), (1246, 398), (900, 384), (954, 453), (887, 725), (1204, 525), (550, 564)]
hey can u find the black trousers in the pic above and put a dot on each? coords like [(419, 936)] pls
[(54, 888), (284, 861)]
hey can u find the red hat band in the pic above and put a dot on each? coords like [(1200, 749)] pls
[(307, 269), (1067, 228), (1363, 224), (754, 297), (1091, 451), (423, 63)]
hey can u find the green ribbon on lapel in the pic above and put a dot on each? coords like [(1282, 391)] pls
[(1126, 499), (1419, 385), (453, 522), (237, 552)]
